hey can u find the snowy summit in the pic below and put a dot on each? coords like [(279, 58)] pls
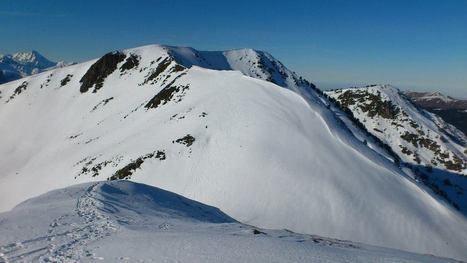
[(233, 129)]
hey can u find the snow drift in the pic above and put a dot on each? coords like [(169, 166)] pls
[(126, 221), (186, 122)]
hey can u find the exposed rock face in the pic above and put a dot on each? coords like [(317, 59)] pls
[(434, 150), (389, 115), (97, 73), (372, 104), (167, 94), (18, 90), (131, 62), (65, 81), (187, 140), (229, 140), (161, 67)]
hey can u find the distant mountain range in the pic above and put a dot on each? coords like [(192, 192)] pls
[(434, 150), (436, 100), (233, 129), (453, 111), (22, 64), (416, 137)]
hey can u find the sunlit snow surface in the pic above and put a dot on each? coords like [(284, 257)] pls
[(129, 222), (263, 154)]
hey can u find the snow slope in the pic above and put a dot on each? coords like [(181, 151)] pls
[(435, 149), (451, 110), (130, 222), (258, 151), (415, 135)]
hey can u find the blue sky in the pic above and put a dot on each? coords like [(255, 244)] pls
[(415, 44)]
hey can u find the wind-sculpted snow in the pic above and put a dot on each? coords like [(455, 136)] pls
[(259, 151), (125, 221)]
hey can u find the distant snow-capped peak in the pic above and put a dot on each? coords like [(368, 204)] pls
[(22, 64), (32, 58), (434, 150), (214, 127), (431, 96), (28, 57), (418, 137), (436, 100)]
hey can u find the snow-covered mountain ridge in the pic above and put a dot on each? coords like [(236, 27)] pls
[(417, 136), (436, 100), (453, 111), (263, 154), (436, 150), (125, 221)]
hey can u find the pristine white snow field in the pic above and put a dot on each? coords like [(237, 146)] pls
[(258, 151), (123, 221)]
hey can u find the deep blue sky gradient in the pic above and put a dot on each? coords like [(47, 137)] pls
[(415, 44)]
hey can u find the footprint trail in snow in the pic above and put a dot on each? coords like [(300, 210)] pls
[(67, 237)]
